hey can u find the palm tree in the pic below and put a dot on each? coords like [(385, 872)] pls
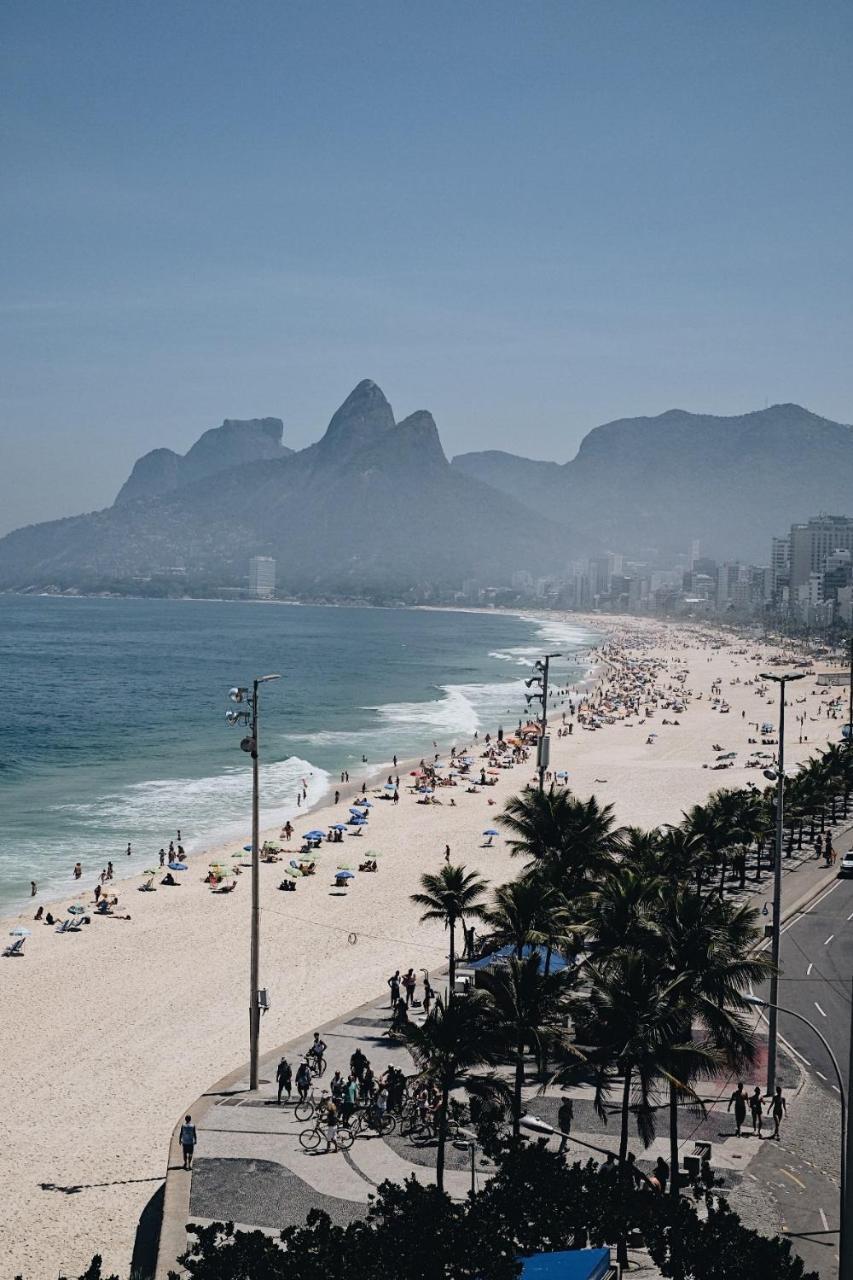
[(679, 855), (529, 1012), (568, 838), (706, 947), (621, 913), (451, 896), (525, 913), (454, 1038), (638, 1029)]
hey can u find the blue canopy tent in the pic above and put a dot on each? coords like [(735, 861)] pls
[(495, 958), (568, 1264)]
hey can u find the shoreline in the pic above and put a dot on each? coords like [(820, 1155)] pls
[(136, 1019)]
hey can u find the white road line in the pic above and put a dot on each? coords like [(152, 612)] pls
[(819, 900), (796, 1052), (829, 939), (820, 1011), (850, 917), (808, 971), (836, 1088), (823, 1219), (820, 1073)]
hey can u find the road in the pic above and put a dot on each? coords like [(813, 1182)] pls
[(801, 1172)]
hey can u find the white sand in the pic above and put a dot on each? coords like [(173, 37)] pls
[(108, 1035)]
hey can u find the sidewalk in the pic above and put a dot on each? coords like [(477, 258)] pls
[(251, 1169)]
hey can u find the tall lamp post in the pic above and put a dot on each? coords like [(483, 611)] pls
[(845, 1252), (250, 744), (543, 750), (782, 681)]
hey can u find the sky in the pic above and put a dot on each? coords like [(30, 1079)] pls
[(528, 218)]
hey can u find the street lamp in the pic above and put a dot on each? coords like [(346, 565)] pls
[(845, 1252), (543, 751), (250, 744), (777, 876)]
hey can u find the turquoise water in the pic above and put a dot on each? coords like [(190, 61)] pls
[(114, 724)]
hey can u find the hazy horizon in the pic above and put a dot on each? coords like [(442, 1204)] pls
[(528, 222)]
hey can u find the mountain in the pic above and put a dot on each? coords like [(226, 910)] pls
[(648, 486), (236, 442), (372, 506)]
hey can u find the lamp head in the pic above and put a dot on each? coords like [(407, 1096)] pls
[(236, 694), (756, 1000), (232, 717)]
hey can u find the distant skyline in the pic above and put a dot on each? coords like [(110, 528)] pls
[(527, 219)]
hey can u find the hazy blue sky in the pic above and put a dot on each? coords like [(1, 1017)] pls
[(527, 217)]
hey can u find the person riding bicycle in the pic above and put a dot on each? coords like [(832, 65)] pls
[(317, 1050)]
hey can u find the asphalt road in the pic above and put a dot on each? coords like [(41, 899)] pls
[(801, 1172)]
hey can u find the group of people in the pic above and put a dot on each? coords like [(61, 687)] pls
[(742, 1102)]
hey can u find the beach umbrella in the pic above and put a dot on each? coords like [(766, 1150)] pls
[(177, 866), (389, 786), (293, 872), (305, 860), (344, 866), (77, 909), (247, 848), (339, 826), (358, 822), (357, 810), (491, 832), (314, 835), (19, 932), (344, 875), (372, 853), (365, 804), (149, 872)]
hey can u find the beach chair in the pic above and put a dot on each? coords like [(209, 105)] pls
[(16, 948), (63, 927)]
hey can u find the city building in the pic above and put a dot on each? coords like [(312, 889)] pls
[(262, 577)]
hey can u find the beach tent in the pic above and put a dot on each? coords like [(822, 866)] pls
[(495, 958), (568, 1264)]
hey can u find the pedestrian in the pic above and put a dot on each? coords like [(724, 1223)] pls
[(337, 796), (429, 993), (410, 982), (284, 1076), (565, 1116), (350, 1097), (755, 1110), (396, 796), (33, 888), (97, 893), (447, 853), (109, 871), (189, 1138), (394, 987), (162, 857), (357, 1063), (128, 850), (778, 1107), (738, 1101), (608, 1166), (331, 1126), (303, 1080), (661, 1172), (78, 870)]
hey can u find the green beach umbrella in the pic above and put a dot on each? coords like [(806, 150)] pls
[(149, 872), (293, 872)]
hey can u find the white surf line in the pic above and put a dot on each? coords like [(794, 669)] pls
[(808, 971), (829, 939), (823, 1219), (820, 1011)]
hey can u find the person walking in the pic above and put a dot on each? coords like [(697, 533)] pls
[(33, 888), (755, 1110), (331, 1126), (661, 1173), (284, 1076), (303, 1080), (778, 1108), (410, 982), (738, 1101), (189, 1138), (565, 1116)]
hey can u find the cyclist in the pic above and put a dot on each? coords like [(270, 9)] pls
[(317, 1050)]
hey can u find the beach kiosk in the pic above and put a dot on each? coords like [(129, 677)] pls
[(569, 1264)]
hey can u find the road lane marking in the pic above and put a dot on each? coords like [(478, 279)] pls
[(820, 1011), (820, 1073), (850, 917), (829, 939), (836, 1088), (819, 900), (808, 971), (793, 1178), (796, 1052), (823, 1219)]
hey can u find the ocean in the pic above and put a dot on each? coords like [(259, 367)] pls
[(114, 724)]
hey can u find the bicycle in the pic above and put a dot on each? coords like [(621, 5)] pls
[(369, 1119), (316, 1064), (310, 1138), (306, 1107)]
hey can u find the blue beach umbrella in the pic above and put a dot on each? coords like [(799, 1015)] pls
[(339, 826), (344, 875), (314, 835), (19, 932), (247, 848), (77, 909), (491, 832), (177, 866)]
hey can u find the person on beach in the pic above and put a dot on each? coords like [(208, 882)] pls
[(284, 1076), (97, 893), (394, 987), (109, 871), (755, 1110), (447, 853), (288, 830), (128, 850), (410, 982), (162, 856), (317, 1050), (188, 1140), (78, 870), (778, 1108), (337, 797), (738, 1101), (396, 796), (33, 888)]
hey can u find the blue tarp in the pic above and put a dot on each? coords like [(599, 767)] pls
[(558, 961), (572, 1264)]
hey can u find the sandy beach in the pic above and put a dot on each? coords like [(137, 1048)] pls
[(109, 1033)]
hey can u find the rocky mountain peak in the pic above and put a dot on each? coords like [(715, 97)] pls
[(360, 422)]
